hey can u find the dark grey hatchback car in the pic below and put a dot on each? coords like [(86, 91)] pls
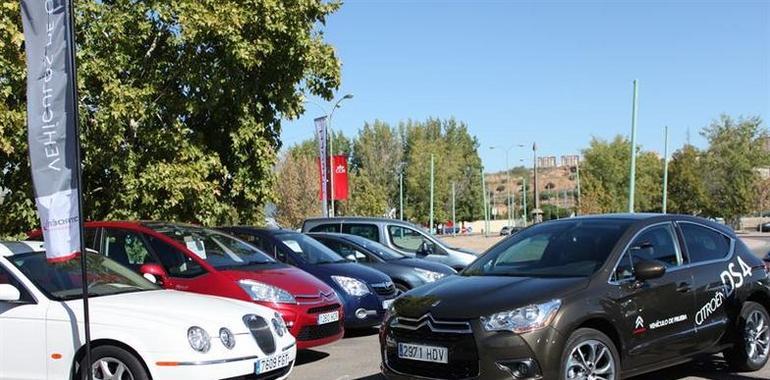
[(599, 297)]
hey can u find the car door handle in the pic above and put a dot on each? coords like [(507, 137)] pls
[(683, 287)]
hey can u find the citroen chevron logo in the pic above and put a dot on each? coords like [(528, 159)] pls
[(639, 327)]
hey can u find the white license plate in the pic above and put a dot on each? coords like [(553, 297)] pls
[(423, 353), (325, 318), (272, 363), (386, 304)]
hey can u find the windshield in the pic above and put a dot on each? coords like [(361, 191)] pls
[(575, 248), (217, 248), (378, 249), (310, 250), (63, 281)]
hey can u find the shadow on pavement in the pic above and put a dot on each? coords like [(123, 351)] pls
[(309, 356), (709, 368), (372, 377), (358, 333)]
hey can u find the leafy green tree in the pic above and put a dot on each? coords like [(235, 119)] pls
[(378, 155), (297, 187), (605, 175), (735, 151), (366, 197), (181, 104), (687, 193)]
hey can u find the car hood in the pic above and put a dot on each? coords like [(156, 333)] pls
[(482, 295), (354, 270), (423, 264), (291, 279), (164, 308)]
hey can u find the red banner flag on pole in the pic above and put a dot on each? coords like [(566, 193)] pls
[(339, 169), (340, 172)]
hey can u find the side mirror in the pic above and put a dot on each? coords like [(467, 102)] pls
[(425, 249), (9, 293), (649, 270), (153, 273)]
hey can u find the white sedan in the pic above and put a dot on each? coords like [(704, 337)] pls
[(138, 331)]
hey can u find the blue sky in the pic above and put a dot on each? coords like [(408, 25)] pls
[(555, 72)]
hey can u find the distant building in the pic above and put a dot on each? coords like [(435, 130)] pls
[(570, 160), (546, 162)]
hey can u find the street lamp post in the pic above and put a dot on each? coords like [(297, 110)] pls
[(331, 149), (665, 170), (632, 174), (538, 214)]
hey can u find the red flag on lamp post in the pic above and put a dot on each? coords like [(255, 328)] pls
[(338, 167)]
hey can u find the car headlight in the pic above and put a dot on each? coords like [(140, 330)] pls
[(199, 339), (351, 286), (227, 338), (522, 320), (428, 275), (279, 324), (266, 293)]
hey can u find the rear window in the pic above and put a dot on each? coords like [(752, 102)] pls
[(369, 231), (326, 228), (704, 244)]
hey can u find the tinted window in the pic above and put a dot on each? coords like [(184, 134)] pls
[(657, 243), (218, 249), (8, 279), (253, 239), (326, 228), (89, 238), (346, 250), (556, 249), (126, 247), (377, 249), (63, 281), (405, 238), (369, 231), (177, 263), (308, 249), (704, 244)]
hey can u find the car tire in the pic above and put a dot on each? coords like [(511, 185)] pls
[(751, 349), (589, 351), (114, 359)]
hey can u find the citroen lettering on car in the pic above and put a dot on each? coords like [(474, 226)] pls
[(639, 326), (734, 279), (709, 308)]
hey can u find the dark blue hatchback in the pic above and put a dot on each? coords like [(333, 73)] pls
[(365, 292)]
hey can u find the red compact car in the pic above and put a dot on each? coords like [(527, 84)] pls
[(201, 260)]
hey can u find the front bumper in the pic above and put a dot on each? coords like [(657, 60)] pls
[(222, 369), (475, 355), (302, 320), (370, 307)]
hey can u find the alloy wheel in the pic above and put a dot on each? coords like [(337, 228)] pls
[(590, 360), (757, 337), (109, 368)]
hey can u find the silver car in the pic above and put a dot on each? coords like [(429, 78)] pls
[(401, 236)]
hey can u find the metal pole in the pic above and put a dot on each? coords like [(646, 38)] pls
[(401, 193), (431, 193), (331, 166), (632, 174), (537, 217), (577, 170), (665, 170), (79, 173), (454, 210), (508, 186), (524, 199), (484, 203)]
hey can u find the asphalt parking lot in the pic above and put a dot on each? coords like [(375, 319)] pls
[(357, 358)]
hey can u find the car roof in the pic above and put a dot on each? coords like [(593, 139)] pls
[(10, 248), (357, 219)]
